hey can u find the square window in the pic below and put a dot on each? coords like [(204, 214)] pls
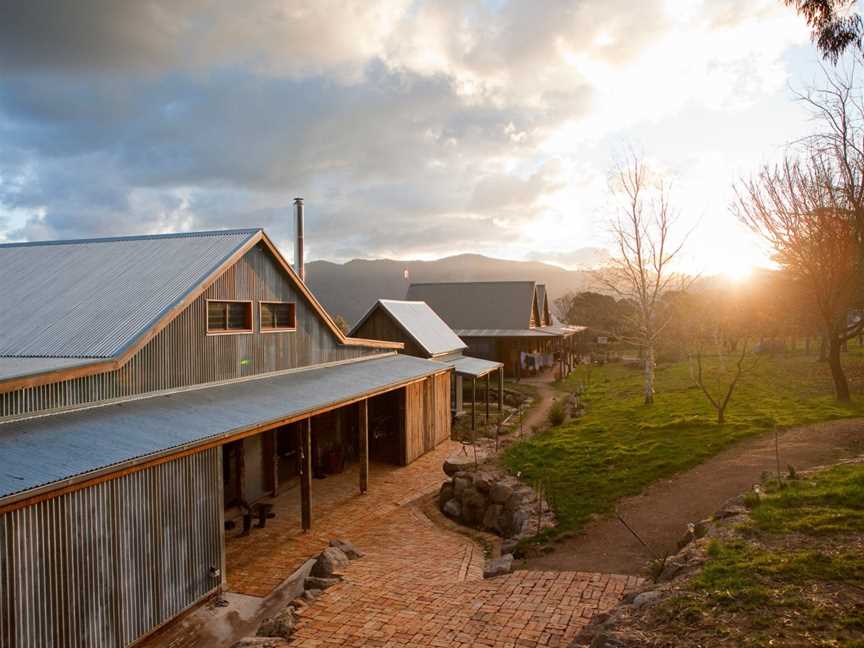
[(229, 316), (278, 316)]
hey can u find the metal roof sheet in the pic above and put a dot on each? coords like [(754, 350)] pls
[(93, 298), (42, 451), (478, 305), (474, 367), (421, 323), (535, 332), (11, 368)]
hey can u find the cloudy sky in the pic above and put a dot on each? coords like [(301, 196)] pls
[(414, 129)]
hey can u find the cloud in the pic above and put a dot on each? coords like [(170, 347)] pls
[(412, 128)]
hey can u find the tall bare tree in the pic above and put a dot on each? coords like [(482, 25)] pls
[(641, 269), (801, 208)]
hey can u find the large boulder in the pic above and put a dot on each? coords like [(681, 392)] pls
[(457, 463), (459, 485), (498, 566), (491, 517), (473, 506), (347, 548), (446, 493), (281, 625), (329, 562), (319, 583), (483, 482), (453, 509), (500, 493)]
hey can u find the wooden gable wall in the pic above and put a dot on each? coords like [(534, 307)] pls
[(381, 326), (183, 355)]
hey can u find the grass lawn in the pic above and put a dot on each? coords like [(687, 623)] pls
[(620, 446), (791, 576)]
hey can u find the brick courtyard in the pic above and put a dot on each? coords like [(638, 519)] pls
[(419, 584)]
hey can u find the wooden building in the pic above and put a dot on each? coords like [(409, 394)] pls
[(152, 387), (426, 335), (504, 321)]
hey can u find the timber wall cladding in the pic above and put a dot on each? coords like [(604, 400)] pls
[(102, 566), (182, 354), (380, 326), (427, 415)]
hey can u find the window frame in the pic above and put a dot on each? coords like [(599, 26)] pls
[(244, 331), (281, 329)]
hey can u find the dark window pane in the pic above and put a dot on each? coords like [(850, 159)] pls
[(216, 316), (278, 316), (238, 316)]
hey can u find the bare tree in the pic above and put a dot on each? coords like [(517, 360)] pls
[(721, 402), (641, 269), (801, 208)]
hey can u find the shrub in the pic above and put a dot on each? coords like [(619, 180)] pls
[(557, 413)]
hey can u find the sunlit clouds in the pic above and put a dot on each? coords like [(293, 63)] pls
[(413, 129)]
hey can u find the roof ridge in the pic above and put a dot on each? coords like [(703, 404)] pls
[(462, 283), (136, 237)]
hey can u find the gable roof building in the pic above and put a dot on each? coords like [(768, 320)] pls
[(173, 382), (498, 320)]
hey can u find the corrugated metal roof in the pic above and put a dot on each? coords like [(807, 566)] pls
[(474, 367), (478, 305), (421, 323), (42, 451), (471, 333), (93, 298), (11, 368)]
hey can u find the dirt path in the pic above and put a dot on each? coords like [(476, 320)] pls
[(661, 514), (546, 395)]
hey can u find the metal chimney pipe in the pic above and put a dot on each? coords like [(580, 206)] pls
[(298, 258)]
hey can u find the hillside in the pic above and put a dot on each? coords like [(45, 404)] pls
[(350, 289)]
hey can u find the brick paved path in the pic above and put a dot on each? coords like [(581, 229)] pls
[(420, 585)]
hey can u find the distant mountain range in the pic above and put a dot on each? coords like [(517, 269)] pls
[(349, 289)]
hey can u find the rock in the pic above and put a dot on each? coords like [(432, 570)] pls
[(730, 510), (453, 509), (459, 486), (518, 520), (318, 583), (329, 562), (483, 482), (645, 598), (457, 463), (498, 566), (260, 642), (490, 518), (500, 493), (347, 548), (281, 625), (446, 493), (311, 594), (473, 506), (509, 546)]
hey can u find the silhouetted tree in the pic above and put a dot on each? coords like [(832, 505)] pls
[(834, 25), (798, 208)]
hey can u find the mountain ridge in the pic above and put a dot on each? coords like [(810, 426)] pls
[(349, 289)]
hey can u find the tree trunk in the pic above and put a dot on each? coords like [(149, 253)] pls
[(721, 415), (823, 349), (649, 375), (841, 386)]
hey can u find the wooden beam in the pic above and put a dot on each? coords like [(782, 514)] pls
[(488, 395), (473, 410), (306, 474), (500, 391), (363, 408)]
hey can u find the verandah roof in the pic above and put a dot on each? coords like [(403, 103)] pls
[(43, 453)]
